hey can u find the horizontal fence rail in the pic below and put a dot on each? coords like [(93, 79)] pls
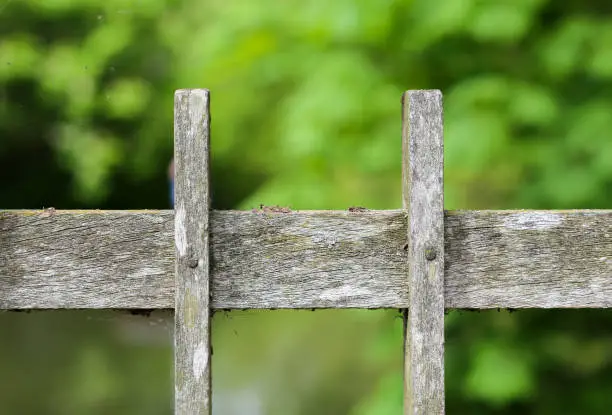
[(306, 259)]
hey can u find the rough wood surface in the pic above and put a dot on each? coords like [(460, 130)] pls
[(191, 233), (111, 259), (86, 259), (423, 200), (309, 259), (528, 259)]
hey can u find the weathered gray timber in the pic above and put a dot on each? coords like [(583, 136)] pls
[(423, 200), (125, 259), (191, 238), (420, 259), (528, 259)]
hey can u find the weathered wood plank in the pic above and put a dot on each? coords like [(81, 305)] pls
[(528, 259), (86, 259), (423, 199), (310, 259), (100, 259), (191, 231), (125, 259)]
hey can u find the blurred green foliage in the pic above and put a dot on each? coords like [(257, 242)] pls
[(306, 112)]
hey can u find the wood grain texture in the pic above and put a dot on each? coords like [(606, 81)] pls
[(192, 347), (99, 259), (423, 200), (125, 259), (528, 259), (86, 259), (310, 259)]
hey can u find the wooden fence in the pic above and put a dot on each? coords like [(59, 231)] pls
[(421, 258)]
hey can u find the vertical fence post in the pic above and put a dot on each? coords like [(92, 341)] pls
[(423, 201), (192, 349)]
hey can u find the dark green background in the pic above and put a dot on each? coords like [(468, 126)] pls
[(305, 100)]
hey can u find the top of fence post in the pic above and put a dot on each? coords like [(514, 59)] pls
[(423, 200), (191, 230)]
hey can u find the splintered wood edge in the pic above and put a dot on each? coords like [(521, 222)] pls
[(54, 259)]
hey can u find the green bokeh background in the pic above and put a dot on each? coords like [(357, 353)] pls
[(305, 101)]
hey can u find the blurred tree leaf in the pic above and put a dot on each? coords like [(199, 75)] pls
[(500, 374)]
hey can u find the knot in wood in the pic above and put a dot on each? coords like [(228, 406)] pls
[(430, 253), (192, 262)]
